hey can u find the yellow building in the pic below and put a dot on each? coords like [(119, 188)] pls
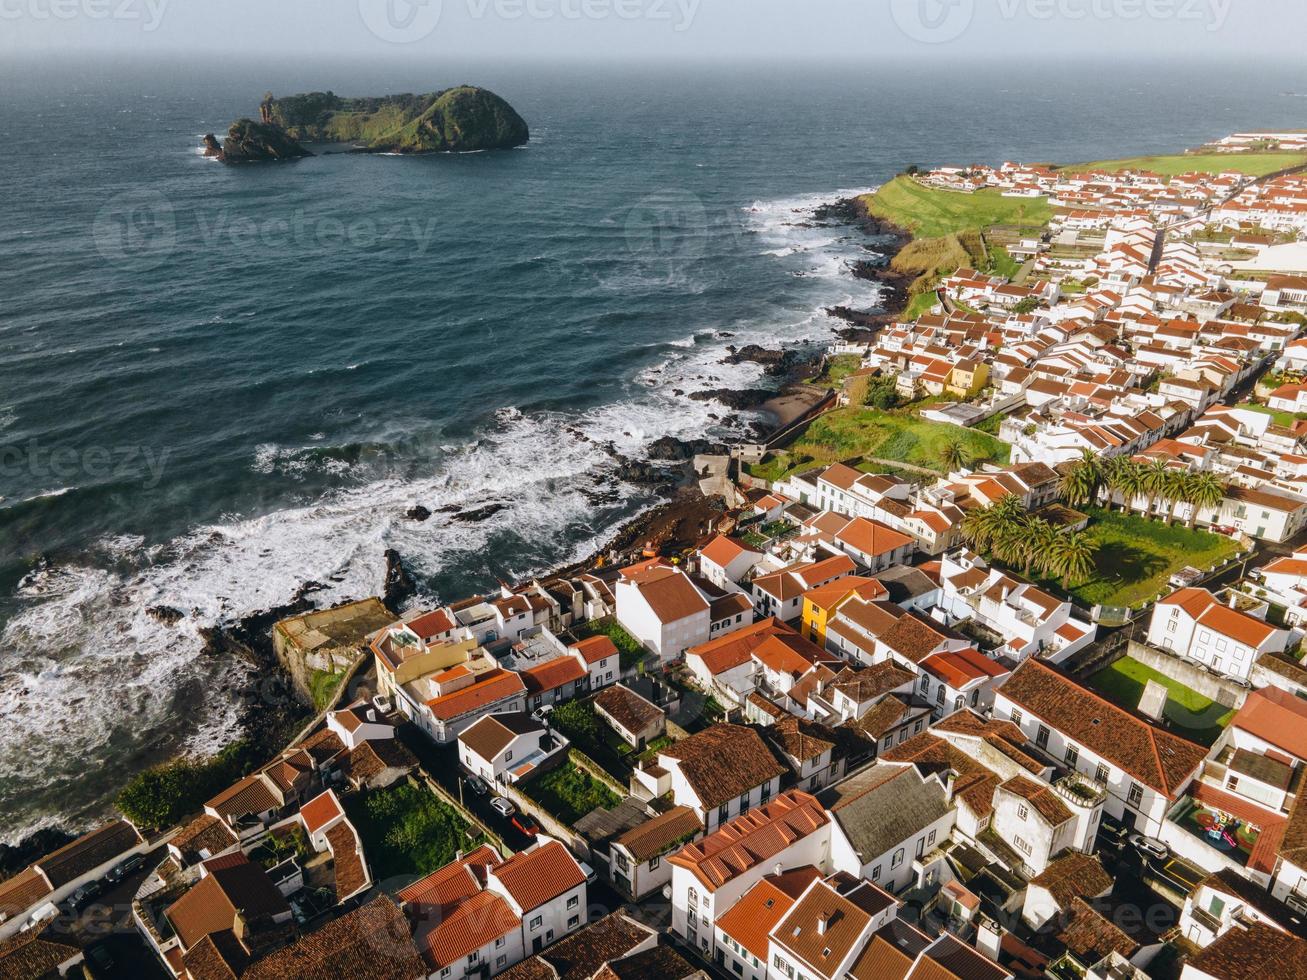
[(968, 377), (821, 602)]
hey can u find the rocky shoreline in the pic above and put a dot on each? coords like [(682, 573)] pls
[(273, 713), (896, 285)]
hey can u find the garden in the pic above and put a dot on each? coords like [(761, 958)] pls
[(406, 830), (569, 793)]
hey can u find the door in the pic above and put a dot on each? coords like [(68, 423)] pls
[(921, 846), (537, 944)]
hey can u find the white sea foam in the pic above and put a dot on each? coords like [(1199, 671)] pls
[(95, 677)]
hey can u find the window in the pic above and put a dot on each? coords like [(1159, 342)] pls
[(925, 683), (765, 795), (917, 727), (930, 838), (508, 756), (897, 859), (1232, 782), (1025, 848), (445, 972), (1072, 756), (889, 741), (723, 813), (535, 923), (499, 943), (1170, 626), (875, 873), (694, 919), (1221, 645), (1136, 794), (958, 702), (623, 863), (1204, 637), (1103, 773), (1016, 716), (654, 862), (939, 695), (572, 920), (975, 697), (1022, 811), (738, 967), (500, 961), (573, 902), (473, 956), (1041, 737)]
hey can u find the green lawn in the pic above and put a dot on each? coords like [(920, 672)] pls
[(322, 687), (932, 213), (406, 830), (1191, 715), (1001, 263), (1137, 556), (899, 437), (1286, 419), (1253, 164), (838, 367), (569, 794)]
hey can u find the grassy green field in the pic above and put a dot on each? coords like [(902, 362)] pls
[(1191, 715), (569, 794), (900, 437), (1136, 556), (406, 830), (1253, 164), (932, 213), (838, 367)]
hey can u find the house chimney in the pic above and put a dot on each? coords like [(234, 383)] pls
[(821, 925), (989, 935), (950, 784)]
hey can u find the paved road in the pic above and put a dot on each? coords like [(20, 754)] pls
[(106, 924)]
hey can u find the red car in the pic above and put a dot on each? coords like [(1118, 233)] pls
[(525, 824)]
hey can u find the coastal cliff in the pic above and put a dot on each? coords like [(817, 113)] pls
[(464, 119), (457, 120)]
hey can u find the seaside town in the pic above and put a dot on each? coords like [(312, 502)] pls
[(988, 664)]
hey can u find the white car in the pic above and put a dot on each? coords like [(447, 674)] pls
[(1147, 845), (589, 872), (503, 807)]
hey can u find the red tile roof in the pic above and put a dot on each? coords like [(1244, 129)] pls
[(551, 675), (1275, 716), (960, 667), (539, 875), (722, 550), (320, 811), (497, 685), (595, 648)]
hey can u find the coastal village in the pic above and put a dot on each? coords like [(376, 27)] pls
[(989, 666)]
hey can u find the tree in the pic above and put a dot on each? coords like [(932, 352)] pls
[(1155, 480), (577, 720), (954, 455), (1126, 479), (1081, 484), (1177, 491), (1072, 557), (1204, 490)]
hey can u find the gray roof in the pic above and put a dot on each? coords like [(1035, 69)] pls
[(883, 806), (905, 582)]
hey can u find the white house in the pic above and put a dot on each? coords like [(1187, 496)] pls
[(637, 859), (725, 561), (358, 723), (1194, 624), (503, 748), (662, 608), (1144, 769)]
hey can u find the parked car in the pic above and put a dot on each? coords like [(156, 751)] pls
[(477, 785), (589, 872), (121, 871), (1147, 845), (542, 712), (502, 806), (382, 704), (84, 894), (46, 913), (1186, 577), (526, 825), (100, 958)]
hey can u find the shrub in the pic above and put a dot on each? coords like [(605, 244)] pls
[(162, 796)]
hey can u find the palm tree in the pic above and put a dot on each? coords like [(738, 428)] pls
[(1177, 491), (1204, 490), (992, 527), (1124, 479), (1081, 483), (954, 455), (1040, 536), (1072, 556), (1154, 479)]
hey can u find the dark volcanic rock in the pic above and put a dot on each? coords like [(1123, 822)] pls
[(16, 857), (212, 148), (737, 399), (166, 615), (480, 513), (400, 583), (256, 142), (671, 449), (418, 513), (777, 363)]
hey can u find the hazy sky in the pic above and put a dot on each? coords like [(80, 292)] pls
[(1015, 30)]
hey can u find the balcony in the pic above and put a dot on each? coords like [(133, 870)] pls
[(1080, 790)]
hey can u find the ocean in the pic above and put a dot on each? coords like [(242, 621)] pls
[(219, 383)]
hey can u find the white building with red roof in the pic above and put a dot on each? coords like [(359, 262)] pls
[(957, 679), (662, 608), (1195, 625), (726, 561), (480, 915)]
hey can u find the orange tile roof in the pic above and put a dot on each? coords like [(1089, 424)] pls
[(737, 647), (1238, 626), (474, 923), (1277, 717), (456, 881), (722, 550), (495, 686), (752, 839), (320, 811), (751, 918), (595, 648), (872, 537), (535, 877), (958, 668), (554, 674)]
